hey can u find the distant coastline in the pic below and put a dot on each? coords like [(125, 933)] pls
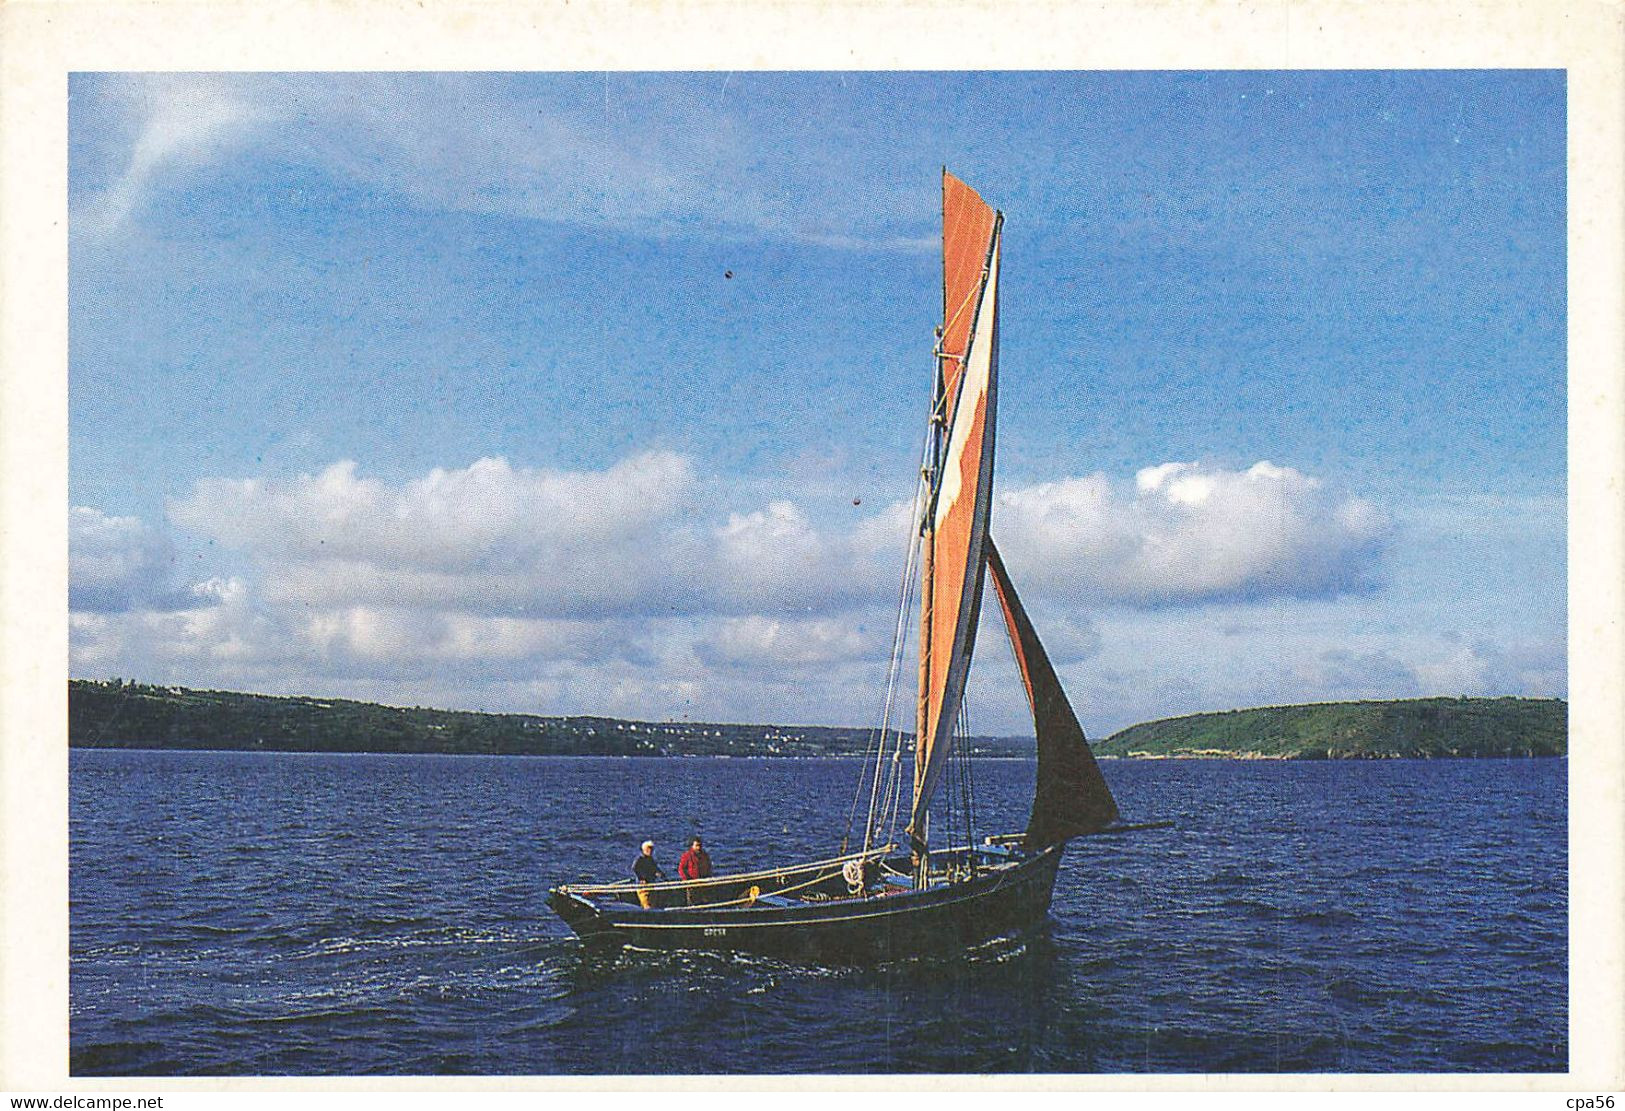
[(119, 714), (116, 714), (1419, 728)]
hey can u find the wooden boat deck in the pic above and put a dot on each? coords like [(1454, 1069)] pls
[(818, 883)]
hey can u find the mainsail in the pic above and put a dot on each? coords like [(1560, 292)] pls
[(956, 520), (1071, 798)]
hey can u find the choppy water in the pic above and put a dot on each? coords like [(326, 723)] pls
[(298, 914)]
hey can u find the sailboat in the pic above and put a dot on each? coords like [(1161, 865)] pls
[(902, 891)]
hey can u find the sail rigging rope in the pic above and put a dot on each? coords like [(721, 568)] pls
[(879, 795), (893, 671), (967, 781), (970, 295), (899, 639), (910, 575)]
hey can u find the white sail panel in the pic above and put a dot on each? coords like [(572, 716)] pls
[(974, 390)]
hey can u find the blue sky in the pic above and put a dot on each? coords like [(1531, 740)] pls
[(432, 388)]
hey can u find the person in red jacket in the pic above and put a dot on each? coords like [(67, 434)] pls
[(694, 865)]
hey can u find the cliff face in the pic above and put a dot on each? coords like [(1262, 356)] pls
[(1414, 728)]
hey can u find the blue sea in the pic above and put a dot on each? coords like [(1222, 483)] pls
[(287, 914)]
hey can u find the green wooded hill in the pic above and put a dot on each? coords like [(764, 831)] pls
[(117, 714), (1414, 728)]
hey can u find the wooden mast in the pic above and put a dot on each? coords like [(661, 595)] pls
[(919, 840)]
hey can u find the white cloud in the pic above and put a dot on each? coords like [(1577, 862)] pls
[(1484, 667), (223, 632), (487, 538), (1342, 673), (638, 590), (487, 516), (1191, 534), (498, 540), (624, 590), (393, 639), (634, 153), (776, 558), (120, 563), (181, 121), (240, 640), (758, 641)]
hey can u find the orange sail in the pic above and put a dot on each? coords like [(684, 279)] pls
[(955, 529), (967, 237), (1071, 798)]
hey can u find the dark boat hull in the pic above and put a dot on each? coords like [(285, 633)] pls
[(876, 928)]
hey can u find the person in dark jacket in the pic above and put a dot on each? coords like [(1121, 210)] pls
[(694, 865), (647, 871)]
